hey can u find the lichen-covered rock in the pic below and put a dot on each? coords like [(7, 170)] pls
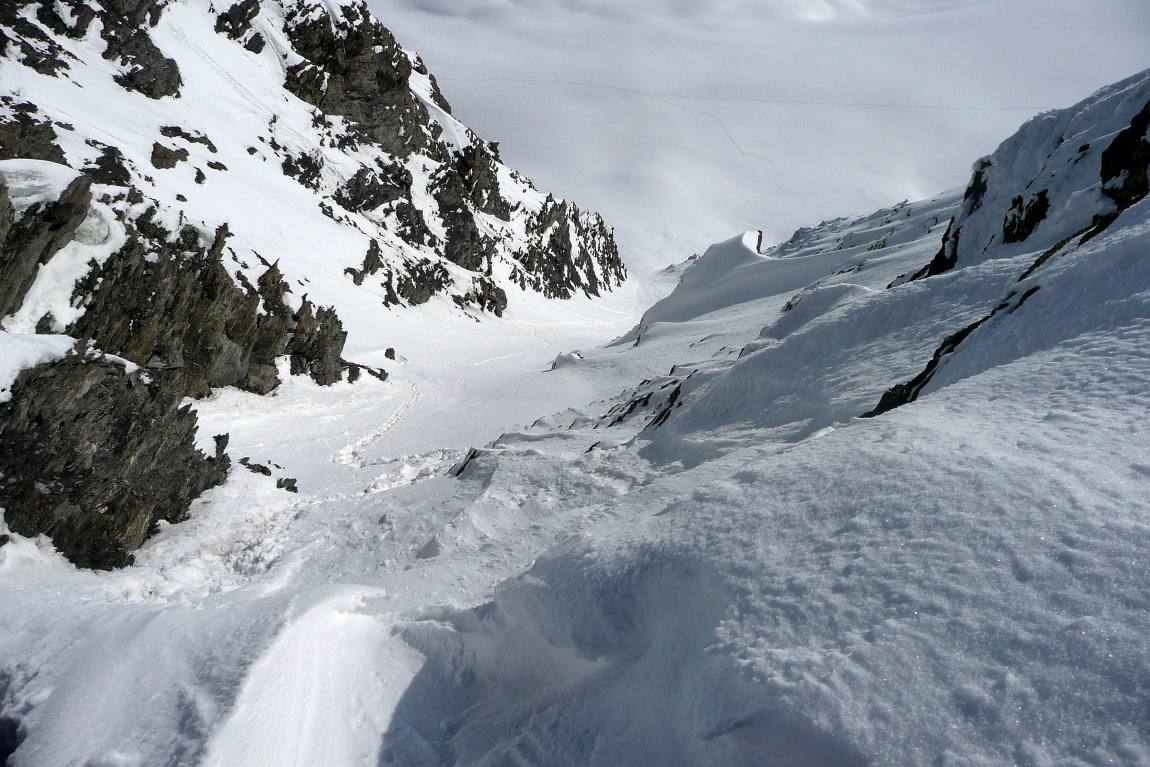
[(95, 458)]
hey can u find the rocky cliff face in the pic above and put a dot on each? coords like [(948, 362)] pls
[(97, 455), (1063, 175), (205, 189)]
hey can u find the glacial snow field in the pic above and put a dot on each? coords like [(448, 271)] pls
[(876, 495)]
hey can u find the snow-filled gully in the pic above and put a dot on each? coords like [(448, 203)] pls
[(562, 537)]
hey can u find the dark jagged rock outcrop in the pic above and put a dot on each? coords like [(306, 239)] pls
[(1024, 217), (166, 158), (175, 131), (304, 168), (369, 189), (1126, 162), (95, 455), (109, 167), (486, 295), (356, 121), (372, 263), (423, 280), (947, 255), (237, 20), (23, 135), (124, 26), (170, 305), (555, 268), (317, 343), (95, 458), (28, 240), (411, 226), (356, 69), (465, 245), (375, 111), (476, 168), (31, 45)]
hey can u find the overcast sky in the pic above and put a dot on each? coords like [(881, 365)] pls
[(589, 98)]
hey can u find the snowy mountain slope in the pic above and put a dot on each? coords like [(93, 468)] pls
[(720, 564), (205, 190), (381, 159)]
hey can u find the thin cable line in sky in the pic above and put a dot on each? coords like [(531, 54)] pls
[(744, 99), (654, 96)]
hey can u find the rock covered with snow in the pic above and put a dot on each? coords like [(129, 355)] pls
[(1064, 175), (41, 206), (720, 564)]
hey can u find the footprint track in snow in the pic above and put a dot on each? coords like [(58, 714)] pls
[(350, 455)]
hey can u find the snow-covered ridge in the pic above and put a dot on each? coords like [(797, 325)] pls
[(1061, 175)]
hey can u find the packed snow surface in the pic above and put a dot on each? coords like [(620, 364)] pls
[(581, 536)]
